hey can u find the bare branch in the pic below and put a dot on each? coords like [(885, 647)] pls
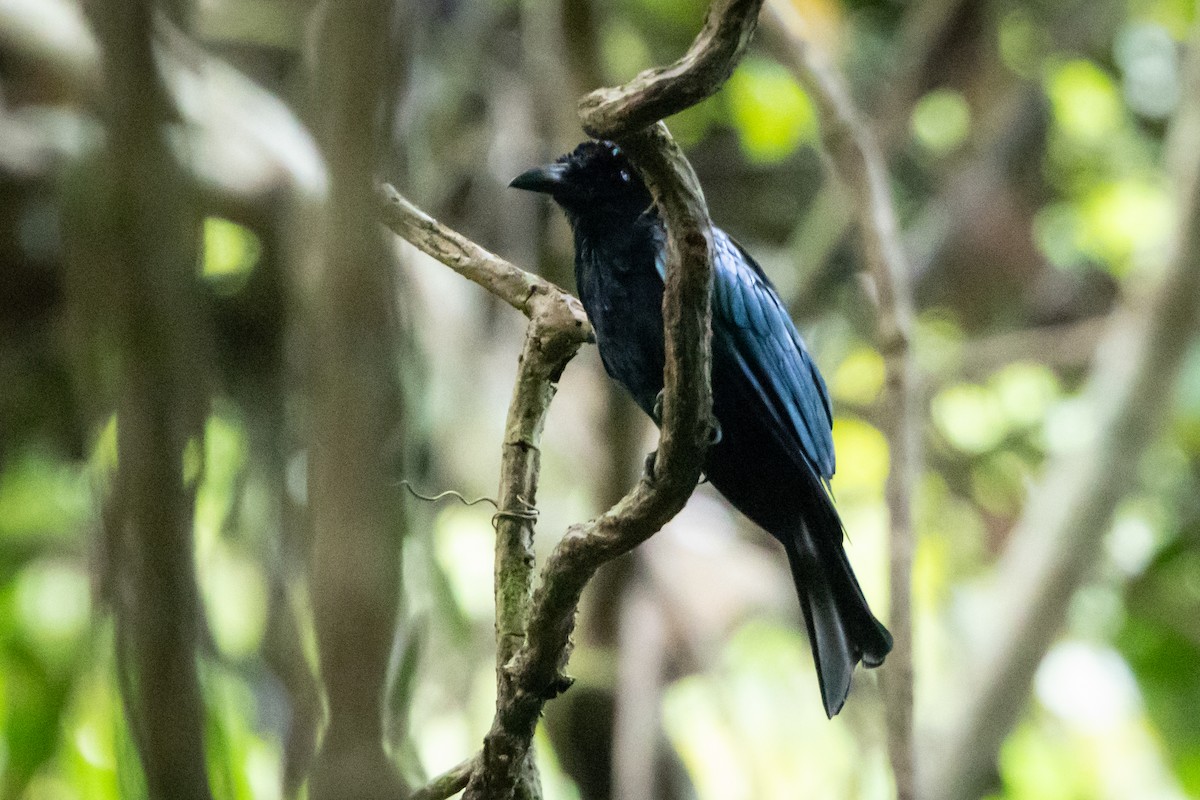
[(532, 676), (448, 784), (510, 283), (283, 652), (554, 335), (922, 31), (557, 328), (612, 113), (535, 674), (857, 158), (686, 417), (1058, 538)]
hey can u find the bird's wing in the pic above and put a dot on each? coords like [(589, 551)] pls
[(767, 350)]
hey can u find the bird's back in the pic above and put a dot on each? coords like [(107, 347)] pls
[(620, 281)]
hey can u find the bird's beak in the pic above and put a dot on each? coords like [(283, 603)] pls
[(548, 179)]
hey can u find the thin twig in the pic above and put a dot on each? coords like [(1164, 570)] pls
[(925, 28), (856, 156), (448, 784), (1058, 538), (642, 675), (922, 31)]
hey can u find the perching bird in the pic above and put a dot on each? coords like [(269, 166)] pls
[(774, 456)]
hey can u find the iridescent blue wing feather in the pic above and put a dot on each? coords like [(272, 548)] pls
[(767, 348)]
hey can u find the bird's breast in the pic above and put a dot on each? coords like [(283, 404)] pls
[(624, 303)]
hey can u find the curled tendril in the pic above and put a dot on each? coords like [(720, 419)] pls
[(448, 493), (527, 511)]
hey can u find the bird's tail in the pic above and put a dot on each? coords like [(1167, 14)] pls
[(841, 628)]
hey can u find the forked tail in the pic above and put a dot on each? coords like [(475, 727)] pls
[(841, 628)]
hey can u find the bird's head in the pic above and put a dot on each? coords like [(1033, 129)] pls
[(596, 180)]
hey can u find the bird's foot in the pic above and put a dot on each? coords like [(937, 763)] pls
[(714, 432), (657, 412), (648, 468)]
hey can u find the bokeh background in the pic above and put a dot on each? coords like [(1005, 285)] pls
[(1025, 139)]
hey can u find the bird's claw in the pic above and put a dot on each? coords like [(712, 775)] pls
[(657, 411), (651, 459), (715, 434)]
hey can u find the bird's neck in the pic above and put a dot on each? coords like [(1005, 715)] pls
[(614, 245)]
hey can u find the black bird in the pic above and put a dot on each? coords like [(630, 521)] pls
[(774, 457)]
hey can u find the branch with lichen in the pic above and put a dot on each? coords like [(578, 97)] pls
[(856, 156), (557, 328)]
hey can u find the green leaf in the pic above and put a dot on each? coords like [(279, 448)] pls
[(1161, 642)]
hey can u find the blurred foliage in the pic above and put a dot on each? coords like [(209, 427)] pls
[(1161, 640), (1025, 139)]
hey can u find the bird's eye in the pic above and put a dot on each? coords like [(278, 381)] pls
[(624, 176)]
